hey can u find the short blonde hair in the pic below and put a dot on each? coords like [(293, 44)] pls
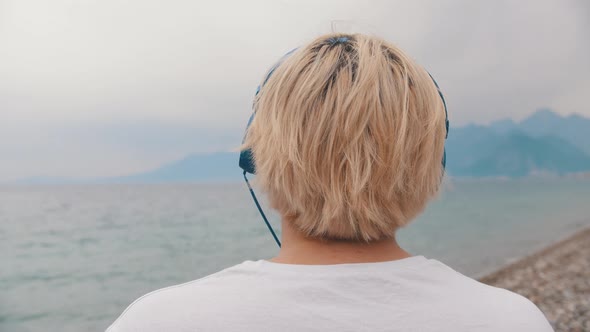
[(348, 138)]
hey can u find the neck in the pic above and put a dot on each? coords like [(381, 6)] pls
[(296, 248)]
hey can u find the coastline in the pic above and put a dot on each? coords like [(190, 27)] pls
[(556, 279)]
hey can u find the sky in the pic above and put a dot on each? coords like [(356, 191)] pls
[(93, 88)]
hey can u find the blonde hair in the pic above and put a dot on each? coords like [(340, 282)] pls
[(348, 138)]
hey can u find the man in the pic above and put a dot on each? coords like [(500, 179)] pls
[(348, 142)]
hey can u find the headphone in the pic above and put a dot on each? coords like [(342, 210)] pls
[(246, 162)]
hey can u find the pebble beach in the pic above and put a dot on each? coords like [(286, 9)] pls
[(556, 279)]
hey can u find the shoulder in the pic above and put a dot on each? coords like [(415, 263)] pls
[(511, 311), (517, 311), (178, 305)]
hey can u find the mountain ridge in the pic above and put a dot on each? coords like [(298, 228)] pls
[(543, 143)]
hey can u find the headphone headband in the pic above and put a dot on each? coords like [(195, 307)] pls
[(246, 161)]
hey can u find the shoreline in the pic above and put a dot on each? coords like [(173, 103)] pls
[(555, 278), (534, 251)]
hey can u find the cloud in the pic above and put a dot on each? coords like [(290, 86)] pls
[(72, 68)]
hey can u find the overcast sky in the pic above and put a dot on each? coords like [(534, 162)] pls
[(112, 87)]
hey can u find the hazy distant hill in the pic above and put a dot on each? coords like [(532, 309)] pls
[(540, 144), (210, 167), (519, 155), (575, 129), (467, 145), (543, 143), (204, 167), (48, 180)]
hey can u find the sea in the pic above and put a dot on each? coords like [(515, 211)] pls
[(73, 257)]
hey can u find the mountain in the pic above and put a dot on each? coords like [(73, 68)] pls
[(574, 128), (202, 167), (518, 155), (465, 146), (47, 180), (210, 167), (503, 126), (545, 142), (504, 148)]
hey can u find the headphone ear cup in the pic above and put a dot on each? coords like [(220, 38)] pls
[(246, 158), (247, 161)]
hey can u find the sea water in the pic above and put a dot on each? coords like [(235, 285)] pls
[(73, 257)]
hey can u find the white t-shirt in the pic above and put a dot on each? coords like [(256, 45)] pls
[(410, 294)]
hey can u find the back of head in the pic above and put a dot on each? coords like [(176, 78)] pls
[(348, 138)]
